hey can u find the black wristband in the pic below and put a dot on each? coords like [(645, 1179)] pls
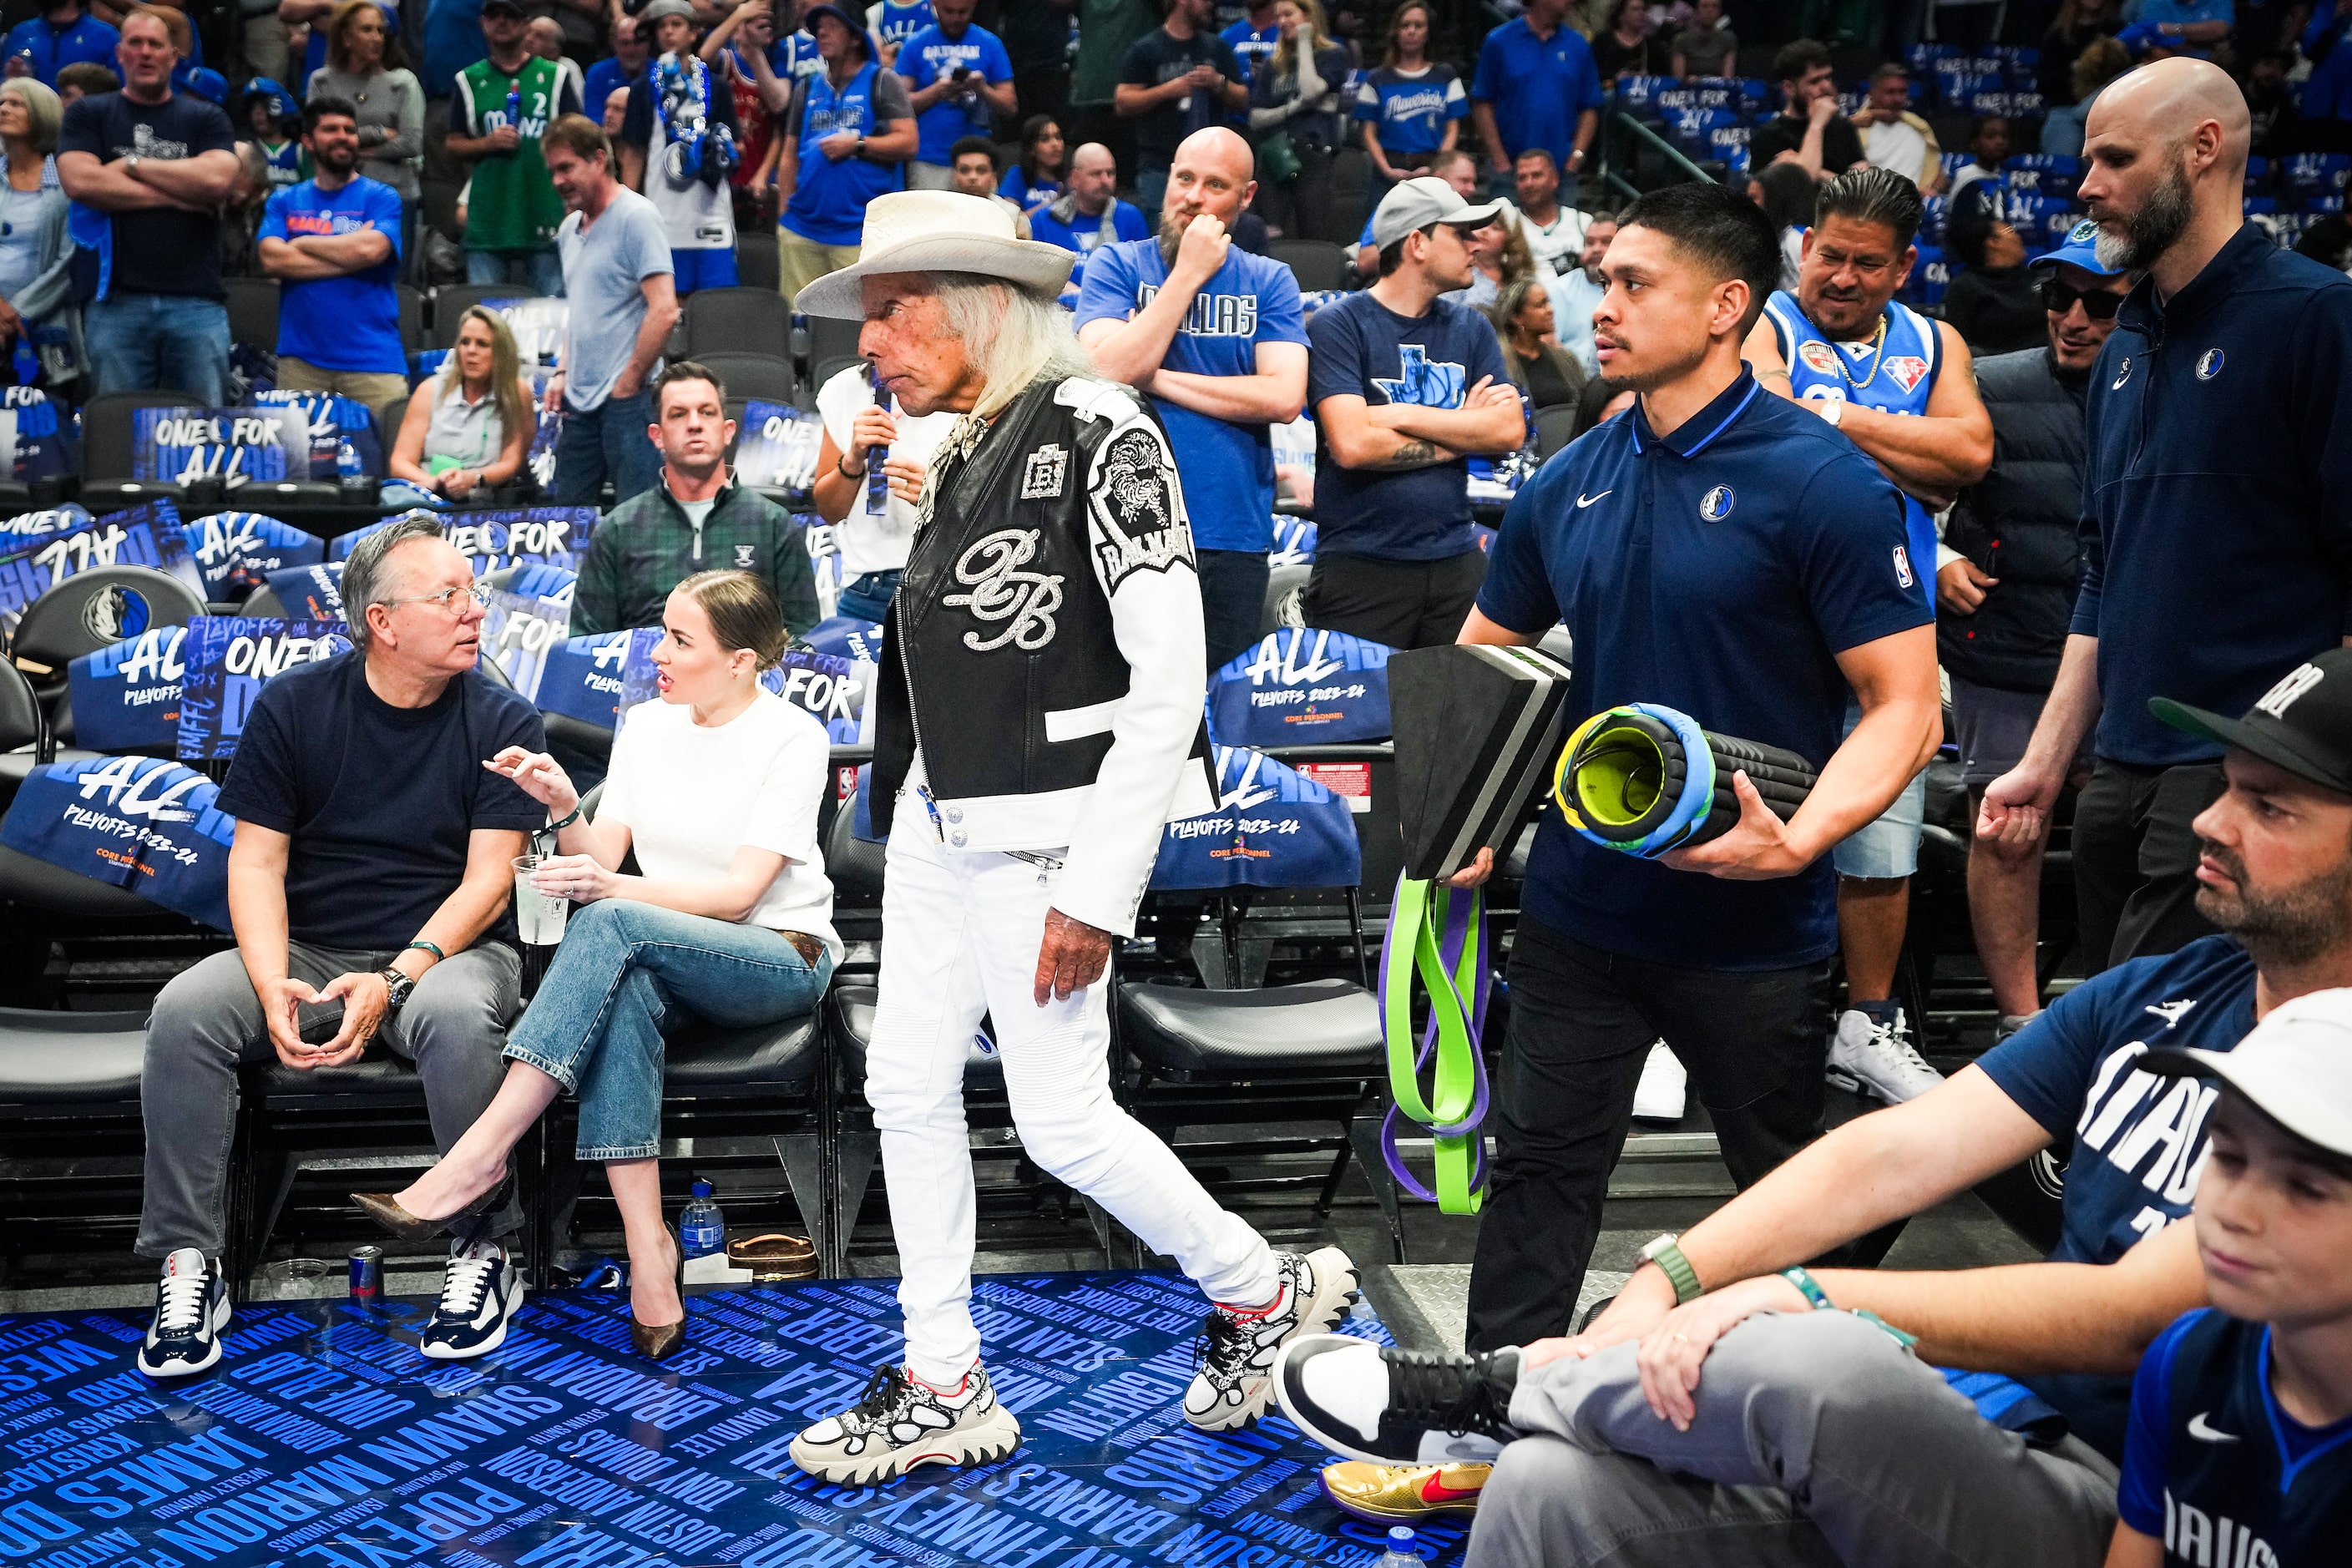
[(568, 821)]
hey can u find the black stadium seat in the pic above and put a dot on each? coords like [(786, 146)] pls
[(252, 311), (756, 264), (1555, 428), (94, 609), (106, 447), (766, 377), (451, 300), (738, 321), (1316, 263)]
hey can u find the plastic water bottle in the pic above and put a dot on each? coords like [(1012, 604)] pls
[(347, 462), (701, 1230), (1399, 1554), (514, 106)]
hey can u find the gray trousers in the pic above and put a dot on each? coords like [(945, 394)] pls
[(1818, 1441), (208, 1020)]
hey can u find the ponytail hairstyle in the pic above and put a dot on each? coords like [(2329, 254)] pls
[(743, 614)]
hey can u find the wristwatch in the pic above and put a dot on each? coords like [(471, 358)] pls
[(131, 165), (397, 987), (1664, 1252)]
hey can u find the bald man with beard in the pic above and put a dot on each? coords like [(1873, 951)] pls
[(1217, 337), (2218, 543)]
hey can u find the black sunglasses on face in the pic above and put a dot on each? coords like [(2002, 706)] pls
[(2058, 297)]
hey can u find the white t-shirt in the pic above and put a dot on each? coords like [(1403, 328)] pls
[(1897, 147), (868, 542), (1560, 244), (692, 795)]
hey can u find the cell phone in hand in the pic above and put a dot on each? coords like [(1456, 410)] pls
[(318, 1021)]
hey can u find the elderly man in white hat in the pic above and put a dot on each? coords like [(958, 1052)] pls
[(1040, 720)]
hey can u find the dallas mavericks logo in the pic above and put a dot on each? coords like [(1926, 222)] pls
[(2208, 364), (1000, 591), (1716, 505), (1431, 384), (113, 614)]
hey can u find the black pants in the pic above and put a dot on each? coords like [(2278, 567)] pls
[(1580, 1027), (1233, 600), (1301, 209), (1405, 603), (2136, 859)]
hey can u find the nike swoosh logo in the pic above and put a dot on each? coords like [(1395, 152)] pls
[(2204, 1434), (1585, 500), (1433, 1490)]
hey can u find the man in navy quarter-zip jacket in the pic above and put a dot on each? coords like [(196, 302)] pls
[(696, 518), (2217, 502)]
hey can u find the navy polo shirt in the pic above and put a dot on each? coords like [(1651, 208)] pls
[(1540, 87), (2217, 494), (1719, 571)]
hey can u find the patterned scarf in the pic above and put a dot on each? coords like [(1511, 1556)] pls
[(952, 453)]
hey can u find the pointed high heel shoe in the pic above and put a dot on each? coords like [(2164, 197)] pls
[(385, 1210), (655, 1341)]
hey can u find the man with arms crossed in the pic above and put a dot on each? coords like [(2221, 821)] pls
[(1218, 338), (1808, 1433)]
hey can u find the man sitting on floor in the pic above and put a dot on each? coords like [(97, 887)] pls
[(371, 867), (1819, 1427)]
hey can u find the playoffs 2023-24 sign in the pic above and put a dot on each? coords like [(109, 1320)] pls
[(323, 1440)]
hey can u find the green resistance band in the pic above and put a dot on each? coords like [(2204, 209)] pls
[(1438, 943)]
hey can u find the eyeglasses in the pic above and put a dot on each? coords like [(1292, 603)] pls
[(453, 599), (2058, 297)]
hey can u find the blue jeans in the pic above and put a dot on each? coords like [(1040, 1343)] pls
[(159, 343), (606, 442), (867, 598), (542, 269), (595, 1025)]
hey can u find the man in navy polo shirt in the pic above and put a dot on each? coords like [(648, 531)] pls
[(1808, 1435), (62, 35), (1725, 553), (333, 244), (2218, 539), (1218, 338), (1537, 87)]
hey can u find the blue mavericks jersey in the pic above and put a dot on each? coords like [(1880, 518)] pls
[(893, 25), (1895, 374), (2216, 1471)]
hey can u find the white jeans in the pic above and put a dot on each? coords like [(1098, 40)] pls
[(961, 933)]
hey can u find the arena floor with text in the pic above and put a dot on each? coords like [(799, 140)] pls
[(323, 1440)]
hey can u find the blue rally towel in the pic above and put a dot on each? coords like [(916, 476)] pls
[(172, 446), (1301, 687), (551, 535), (328, 420), (1275, 829), (229, 659), (832, 691), (310, 593), (144, 536), (138, 823), (67, 518), (846, 637), (237, 550), (126, 697), (2009, 1404), (585, 678)]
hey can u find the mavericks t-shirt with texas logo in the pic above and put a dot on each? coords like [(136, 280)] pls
[(160, 250), (1358, 347)]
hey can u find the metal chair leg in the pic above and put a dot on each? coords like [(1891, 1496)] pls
[(1364, 1134)]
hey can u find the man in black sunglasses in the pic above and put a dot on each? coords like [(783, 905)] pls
[(2006, 575)]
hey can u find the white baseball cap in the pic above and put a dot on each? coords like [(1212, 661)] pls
[(2295, 1068)]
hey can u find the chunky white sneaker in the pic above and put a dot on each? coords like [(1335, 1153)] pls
[(1663, 1089), (899, 1422), (1868, 1057), (1234, 1383), (480, 1289), (192, 1307)]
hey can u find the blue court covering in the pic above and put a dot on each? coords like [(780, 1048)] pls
[(324, 1440)]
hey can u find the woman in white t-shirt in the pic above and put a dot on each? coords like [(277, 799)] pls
[(717, 788), (874, 538)]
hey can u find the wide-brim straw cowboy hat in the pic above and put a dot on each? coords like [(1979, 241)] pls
[(938, 231)]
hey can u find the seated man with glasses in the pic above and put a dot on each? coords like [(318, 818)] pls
[(370, 868)]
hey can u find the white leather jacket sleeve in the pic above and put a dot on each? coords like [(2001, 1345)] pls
[(1141, 545)]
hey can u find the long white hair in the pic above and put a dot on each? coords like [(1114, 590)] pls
[(1011, 336)]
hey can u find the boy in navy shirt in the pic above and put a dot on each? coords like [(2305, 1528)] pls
[(2239, 1449), (1218, 337), (333, 242)]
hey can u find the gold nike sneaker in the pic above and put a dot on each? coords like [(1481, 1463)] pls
[(1389, 1494)]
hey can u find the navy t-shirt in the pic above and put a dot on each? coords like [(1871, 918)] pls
[(1157, 58), (380, 801), (2136, 1142), (1359, 347), (1227, 467), (1720, 572), (159, 250), (352, 323)]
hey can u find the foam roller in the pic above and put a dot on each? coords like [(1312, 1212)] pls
[(1645, 779)]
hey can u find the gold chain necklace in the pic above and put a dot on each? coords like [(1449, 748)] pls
[(1877, 358)]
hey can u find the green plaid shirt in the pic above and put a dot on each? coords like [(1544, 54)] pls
[(646, 547)]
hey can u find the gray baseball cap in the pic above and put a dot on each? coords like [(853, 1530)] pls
[(1413, 204), (660, 8)]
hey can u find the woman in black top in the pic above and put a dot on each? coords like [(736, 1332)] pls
[(1539, 367), (1994, 304), (1625, 46), (1295, 103)]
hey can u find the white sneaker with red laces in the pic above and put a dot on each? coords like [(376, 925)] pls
[(1234, 1383)]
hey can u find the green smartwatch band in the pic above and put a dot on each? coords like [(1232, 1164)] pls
[(1664, 1252), (437, 955)]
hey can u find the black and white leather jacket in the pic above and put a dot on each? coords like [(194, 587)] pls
[(1045, 656)]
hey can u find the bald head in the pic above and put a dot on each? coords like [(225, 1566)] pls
[(1210, 173), (1094, 175), (2166, 146)]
